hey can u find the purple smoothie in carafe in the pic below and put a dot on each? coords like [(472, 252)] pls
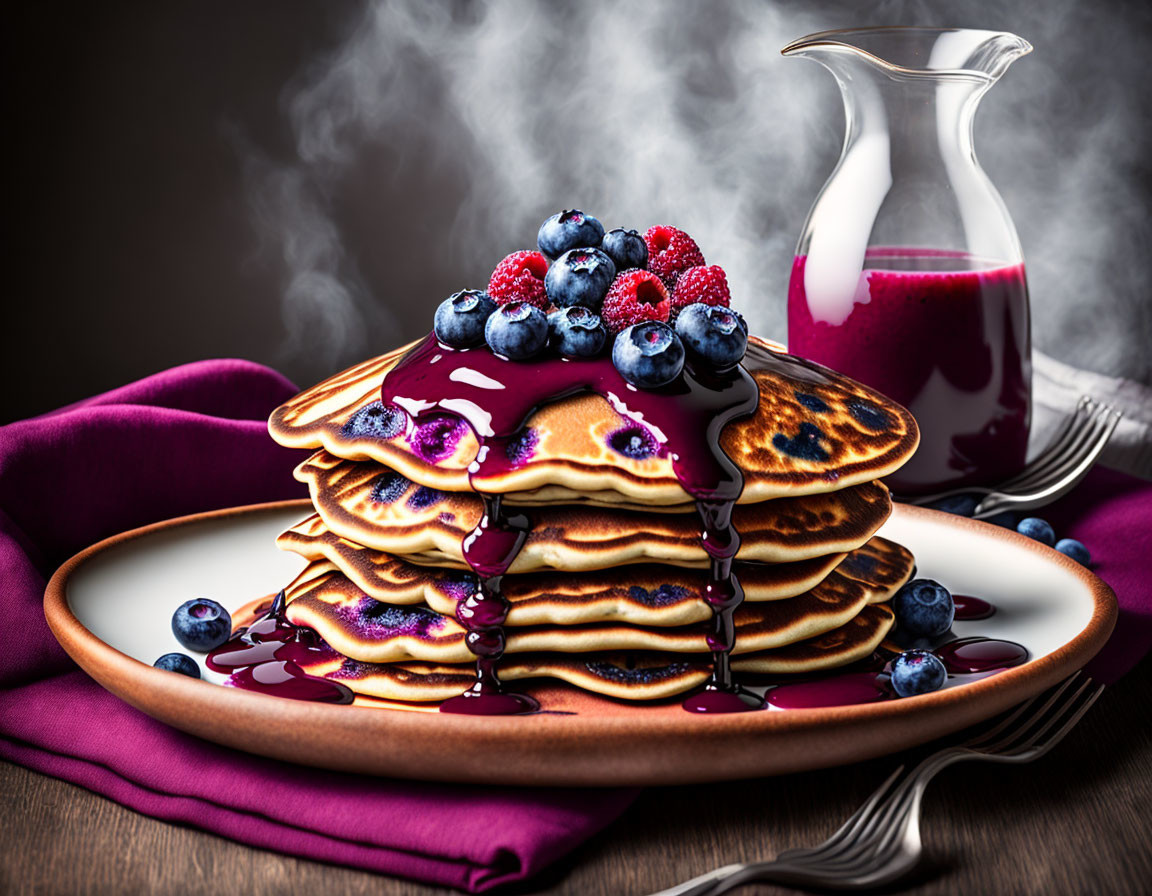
[(946, 334)]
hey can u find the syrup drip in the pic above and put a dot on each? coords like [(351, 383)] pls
[(496, 397), (490, 550), (266, 657)]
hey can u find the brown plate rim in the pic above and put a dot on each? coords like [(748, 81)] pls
[(614, 749)]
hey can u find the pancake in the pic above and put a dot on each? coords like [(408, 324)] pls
[(365, 629), (814, 431), (635, 675), (853, 641), (381, 509), (639, 593)]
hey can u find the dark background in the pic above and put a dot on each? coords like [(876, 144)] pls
[(171, 205)]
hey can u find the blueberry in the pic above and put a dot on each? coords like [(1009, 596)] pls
[(579, 277), (924, 607), (960, 505), (577, 332), (201, 624), (566, 230), (1005, 519), (635, 442), (1037, 529), (178, 662), (648, 354), (917, 672), (375, 421), (713, 334), (1070, 547), (626, 248), (461, 317), (517, 330)]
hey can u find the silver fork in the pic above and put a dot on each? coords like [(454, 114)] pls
[(881, 842), (1054, 472)]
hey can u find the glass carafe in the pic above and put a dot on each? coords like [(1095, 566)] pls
[(908, 275)]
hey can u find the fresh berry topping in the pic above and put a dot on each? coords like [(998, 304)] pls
[(178, 662), (707, 284), (460, 318), (569, 229), (635, 296), (517, 331), (648, 354), (580, 277), (670, 253), (520, 278), (917, 672), (1038, 530), (924, 607), (626, 248), (201, 624), (1070, 547), (714, 336), (577, 332)]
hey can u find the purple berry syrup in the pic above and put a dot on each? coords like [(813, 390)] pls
[(682, 421), (946, 335)]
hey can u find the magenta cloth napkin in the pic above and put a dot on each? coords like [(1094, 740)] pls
[(190, 439)]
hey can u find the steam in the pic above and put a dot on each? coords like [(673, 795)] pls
[(680, 113)]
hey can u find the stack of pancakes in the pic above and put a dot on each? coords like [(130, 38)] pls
[(607, 590)]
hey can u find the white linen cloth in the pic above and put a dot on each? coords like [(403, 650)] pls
[(1057, 387)]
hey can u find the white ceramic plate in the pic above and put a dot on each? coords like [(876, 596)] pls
[(111, 608)]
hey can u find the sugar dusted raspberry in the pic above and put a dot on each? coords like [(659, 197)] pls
[(635, 296), (520, 278), (670, 253)]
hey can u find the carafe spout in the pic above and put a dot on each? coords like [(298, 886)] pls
[(899, 53)]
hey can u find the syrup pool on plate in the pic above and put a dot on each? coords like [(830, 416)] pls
[(945, 334)]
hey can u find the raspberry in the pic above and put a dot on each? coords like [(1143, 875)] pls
[(520, 278), (635, 296), (670, 253), (701, 284)]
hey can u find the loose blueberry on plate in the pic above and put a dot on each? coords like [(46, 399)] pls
[(201, 624), (713, 334), (566, 230), (626, 248), (178, 662), (517, 331), (961, 505), (460, 319), (1074, 549), (1037, 529), (577, 332), (648, 354), (580, 277), (917, 672), (924, 608)]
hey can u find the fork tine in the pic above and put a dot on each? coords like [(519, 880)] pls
[(850, 827), (882, 839), (1038, 722), (1054, 729), (1074, 470), (1067, 431), (1079, 440), (862, 828), (1011, 721)]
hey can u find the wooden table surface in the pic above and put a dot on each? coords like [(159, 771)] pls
[(1077, 821)]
